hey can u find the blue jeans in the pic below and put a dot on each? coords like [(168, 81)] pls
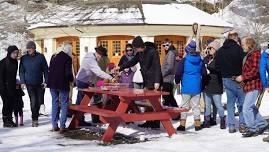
[(254, 120), (59, 96), (80, 95), (216, 98), (235, 94)]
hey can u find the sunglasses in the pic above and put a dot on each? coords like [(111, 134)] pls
[(166, 45)]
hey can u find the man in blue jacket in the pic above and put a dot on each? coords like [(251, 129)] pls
[(264, 70), (34, 74)]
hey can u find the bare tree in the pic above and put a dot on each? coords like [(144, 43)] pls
[(255, 15)]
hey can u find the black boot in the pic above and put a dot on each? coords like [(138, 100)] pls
[(206, 123), (223, 122), (249, 134), (7, 123), (182, 126), (83, 122), (95, 119), (213, 121)]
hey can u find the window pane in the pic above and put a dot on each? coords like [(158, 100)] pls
[(116, 48)]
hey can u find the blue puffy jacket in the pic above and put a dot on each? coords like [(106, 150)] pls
[(33, 68), (264, 67), (194, 69)]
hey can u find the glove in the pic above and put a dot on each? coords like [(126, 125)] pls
[(44, 85), (23, 86), (156, 86)]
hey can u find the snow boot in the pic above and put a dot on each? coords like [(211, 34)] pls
[(83, 122), (10, 120), (249, 134), (197, 124), (6, 122), (21, 121), (242, 128), (63, 130), (206, 123), (223, 122), (182, 126), (266, 139), (16, 121), (262, 130), (35, 123), (213, 121), (232, 130)]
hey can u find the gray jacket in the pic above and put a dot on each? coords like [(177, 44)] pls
[(168, 67), (90, 69)]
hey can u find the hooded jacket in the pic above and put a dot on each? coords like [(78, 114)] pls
[(264, 68), (229, 59), (8, 73), (150, 65), (192, 72)]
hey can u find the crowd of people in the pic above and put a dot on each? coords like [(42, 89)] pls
[(237, 68)]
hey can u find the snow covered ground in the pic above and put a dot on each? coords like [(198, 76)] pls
[(28, 139)]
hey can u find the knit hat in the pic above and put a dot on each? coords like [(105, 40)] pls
[(138, 42), (11, 49), (30, 45), (110, 66), (190, 47), (101, 50), (215, 44)]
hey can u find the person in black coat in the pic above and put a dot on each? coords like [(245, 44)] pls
[(59, 78), (148, 57), (213, 87), (8, 73), (229, 60)]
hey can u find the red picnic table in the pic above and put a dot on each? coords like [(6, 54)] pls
[(127, 98)]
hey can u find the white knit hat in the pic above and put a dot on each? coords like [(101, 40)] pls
[(215, 44)]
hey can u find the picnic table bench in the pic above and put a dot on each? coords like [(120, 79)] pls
[(127, 98)]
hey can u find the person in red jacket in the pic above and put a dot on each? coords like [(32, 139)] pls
[(252, 86)]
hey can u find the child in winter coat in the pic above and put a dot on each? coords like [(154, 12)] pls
[(18, 104), (127, 77), (190, 72)]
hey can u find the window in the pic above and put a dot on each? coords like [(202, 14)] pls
[(104, 44), (116, 48), (159, 46)]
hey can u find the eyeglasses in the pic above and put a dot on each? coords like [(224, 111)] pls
[(129, 50)]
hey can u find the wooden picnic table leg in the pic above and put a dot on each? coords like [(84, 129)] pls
[(113, 124), (86, 99), (77, 115), (123, 105), (110, 131), (167, 124), (75, 120)]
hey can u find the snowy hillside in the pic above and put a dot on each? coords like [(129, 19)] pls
[(248, 19)]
